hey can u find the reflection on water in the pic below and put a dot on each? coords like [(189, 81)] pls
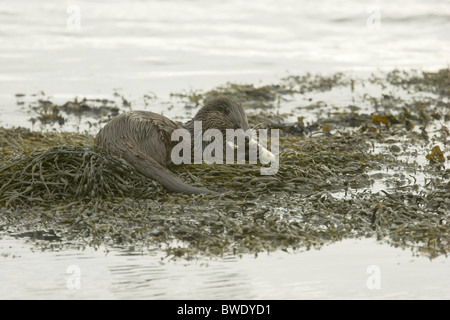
[(137, 47), (340, 270)]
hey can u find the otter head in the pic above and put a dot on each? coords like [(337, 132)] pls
[(222, 114)]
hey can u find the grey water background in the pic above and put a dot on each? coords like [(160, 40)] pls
[(167, 46), (139, 46)]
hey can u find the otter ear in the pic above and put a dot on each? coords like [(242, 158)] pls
[(224, 108), (223, 105)]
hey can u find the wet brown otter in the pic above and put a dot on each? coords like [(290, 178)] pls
[(143, 138)]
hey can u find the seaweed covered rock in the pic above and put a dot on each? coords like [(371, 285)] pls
[(68, 173)]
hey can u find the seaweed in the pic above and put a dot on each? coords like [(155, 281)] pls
[(49, 113), (85, 194), (436, 155), (316, 82), (416, 80)]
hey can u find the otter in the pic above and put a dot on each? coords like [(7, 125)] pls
[(143, 139)]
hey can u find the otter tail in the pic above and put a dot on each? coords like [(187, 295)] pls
[(148, 167)]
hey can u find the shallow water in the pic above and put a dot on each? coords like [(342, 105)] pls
[(344, 270), (139, 47)]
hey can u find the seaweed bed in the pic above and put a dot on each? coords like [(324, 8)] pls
[(342, 175)]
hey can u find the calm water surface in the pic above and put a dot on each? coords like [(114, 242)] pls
[(136, 47), (166, 46)]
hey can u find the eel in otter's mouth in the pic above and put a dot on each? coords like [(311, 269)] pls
[(265, 156)]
